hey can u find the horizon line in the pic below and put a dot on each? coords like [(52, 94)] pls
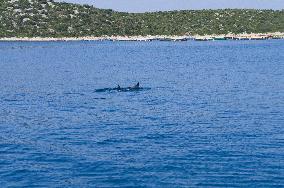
[(170, 10)]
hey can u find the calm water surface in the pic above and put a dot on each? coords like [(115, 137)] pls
[(213, 117)]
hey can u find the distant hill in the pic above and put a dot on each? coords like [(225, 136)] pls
[(46, 18)]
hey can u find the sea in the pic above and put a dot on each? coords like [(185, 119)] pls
[(208, 114)]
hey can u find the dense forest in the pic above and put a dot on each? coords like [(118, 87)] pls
[(46, 18)]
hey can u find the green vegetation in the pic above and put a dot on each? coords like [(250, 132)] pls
[(46, 18)]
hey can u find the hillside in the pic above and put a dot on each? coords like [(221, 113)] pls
[(46, 18)]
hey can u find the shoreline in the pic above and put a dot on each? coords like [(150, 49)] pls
[(252, 36)]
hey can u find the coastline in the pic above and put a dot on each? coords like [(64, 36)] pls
[(252, 36)]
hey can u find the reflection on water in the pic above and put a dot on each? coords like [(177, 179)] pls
[(211, 114)]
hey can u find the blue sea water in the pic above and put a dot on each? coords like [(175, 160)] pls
[(213, 117)]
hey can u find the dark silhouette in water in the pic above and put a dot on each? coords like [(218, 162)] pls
[(123, 89), (118, 87), (137, 86)]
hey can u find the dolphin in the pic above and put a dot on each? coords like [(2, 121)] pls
[(133, 88), (136, 87)]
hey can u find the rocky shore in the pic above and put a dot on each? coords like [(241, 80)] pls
[(254, 36)]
